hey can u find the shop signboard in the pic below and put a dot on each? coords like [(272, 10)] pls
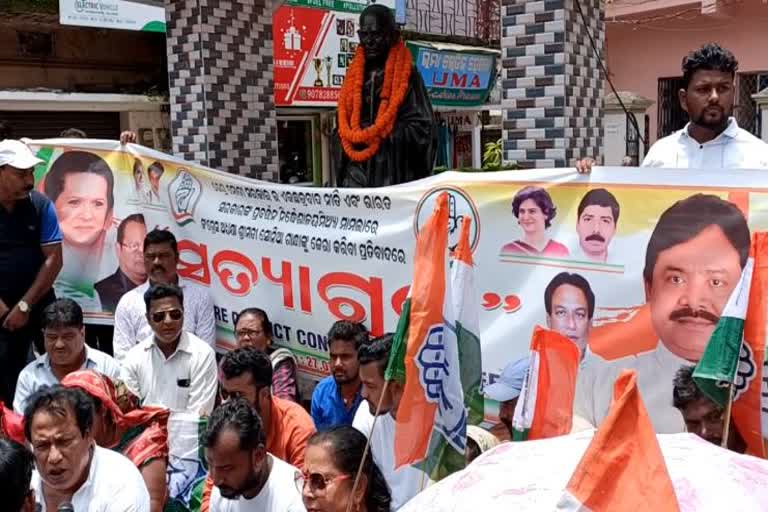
[(341, 5), (453, 75), (140, 15), (313, 49)]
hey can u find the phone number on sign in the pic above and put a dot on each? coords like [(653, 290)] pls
[(307, 93)]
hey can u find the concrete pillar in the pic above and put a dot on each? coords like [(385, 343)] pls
[(552, 84), (477, 146), (220, 74), (615, 121), (761, 99)]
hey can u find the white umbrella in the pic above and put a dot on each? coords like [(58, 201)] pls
[(531, 476)]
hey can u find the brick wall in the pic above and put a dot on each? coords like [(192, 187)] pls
[(552, 84), (220, 74)]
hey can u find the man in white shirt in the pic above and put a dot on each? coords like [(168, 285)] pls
[(407, 481), (65, 352), (246, 477), (693, 262), (711, 138), (161, 256), (171, 368), (70, 467), (596, 219)]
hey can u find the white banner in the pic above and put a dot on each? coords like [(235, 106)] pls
[(311, 256)]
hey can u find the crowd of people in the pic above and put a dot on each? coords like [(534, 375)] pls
[(90, 428)]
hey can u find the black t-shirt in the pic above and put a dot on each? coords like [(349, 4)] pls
[(21, 255)]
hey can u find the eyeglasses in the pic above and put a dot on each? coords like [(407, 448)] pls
[(159, 316), (248, 333), (317, 481)]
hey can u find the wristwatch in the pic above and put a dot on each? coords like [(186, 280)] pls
[(23, 306)]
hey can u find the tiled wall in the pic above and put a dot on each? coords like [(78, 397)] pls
[(220, 74), (552, 84)]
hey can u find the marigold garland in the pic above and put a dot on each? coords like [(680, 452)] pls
[(361, 144)]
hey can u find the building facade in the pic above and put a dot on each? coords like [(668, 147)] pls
[(647, 41)]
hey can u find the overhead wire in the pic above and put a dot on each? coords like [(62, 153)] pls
[(630, 115)]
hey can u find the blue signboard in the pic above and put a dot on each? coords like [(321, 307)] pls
[(454, 77)]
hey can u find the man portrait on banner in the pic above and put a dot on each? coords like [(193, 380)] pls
[(596, 219), (693, 262), (570, 306), (81, 186)]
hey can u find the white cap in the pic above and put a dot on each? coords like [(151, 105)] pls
[(17, 154)]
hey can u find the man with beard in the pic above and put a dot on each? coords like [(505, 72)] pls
[(693, 262), (404, 482), (247, 373), (246, 477), (570, 305), (506, 390), (30, 260), (161, 256), (337, 397), (711, 138), (131, 271), (597, 215)]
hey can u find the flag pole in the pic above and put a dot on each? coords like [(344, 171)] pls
[(367, 445), (727, 420)]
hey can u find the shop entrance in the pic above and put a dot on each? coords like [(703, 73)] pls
[(297, 149)]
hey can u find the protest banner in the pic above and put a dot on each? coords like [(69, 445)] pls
[(310, 256)]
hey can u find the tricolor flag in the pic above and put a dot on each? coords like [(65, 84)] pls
[(545, 406), (441, 377), (623, 468), (716, 371), (731, 358)]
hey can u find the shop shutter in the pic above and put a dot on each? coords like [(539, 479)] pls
[(45, 124)]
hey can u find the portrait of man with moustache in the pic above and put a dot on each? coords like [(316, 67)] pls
[(693, 262), (597, 217)]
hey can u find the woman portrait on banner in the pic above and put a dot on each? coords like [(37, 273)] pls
[(330, 467), (534, 210), (139, 433), (81, 186)]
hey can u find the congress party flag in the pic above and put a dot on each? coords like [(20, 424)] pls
[(750, 399), (716, 371), (623, 467), (545, 406), (432, 418)]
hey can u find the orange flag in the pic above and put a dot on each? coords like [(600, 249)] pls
[(750, 404), (545, 406), (623, 468)]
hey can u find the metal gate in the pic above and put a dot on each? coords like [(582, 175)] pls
[(671, 116), (745, 110)]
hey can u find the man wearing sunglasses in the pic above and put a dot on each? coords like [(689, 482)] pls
[(246, 477), (172, 368)]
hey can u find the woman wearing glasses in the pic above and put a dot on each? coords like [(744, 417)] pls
[(253, 329), (330, 466)]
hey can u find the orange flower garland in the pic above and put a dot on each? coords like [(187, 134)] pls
[(397, 75)]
